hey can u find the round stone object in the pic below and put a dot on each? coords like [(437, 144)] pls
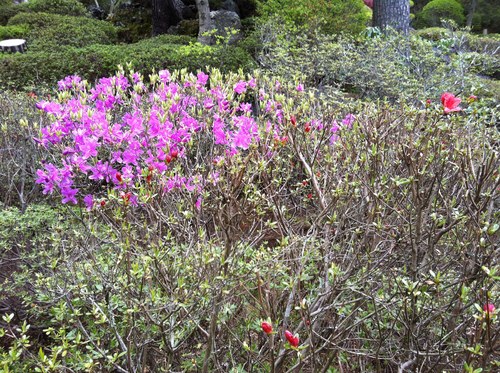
[(13, 45)]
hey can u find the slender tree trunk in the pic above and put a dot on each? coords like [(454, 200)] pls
[(205, 22), (392, 13), (470, 14), (165, 14)]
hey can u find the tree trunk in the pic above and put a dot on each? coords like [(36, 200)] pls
[(470, 14), (205, 22), (166, 13), (392, 13)]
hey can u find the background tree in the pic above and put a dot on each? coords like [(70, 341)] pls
[(205, 22), (392, 13)]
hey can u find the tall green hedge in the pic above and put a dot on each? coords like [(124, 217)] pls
[(94, 61)]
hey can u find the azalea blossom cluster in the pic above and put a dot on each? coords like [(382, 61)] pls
[(125, 134)]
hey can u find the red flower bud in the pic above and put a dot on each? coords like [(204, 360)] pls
[(292, 339), (307, 127), (489, 309), (168, 158), (266, 327), (103, 203), (310, 196), (174, 153), (293, 120), (119, 177)]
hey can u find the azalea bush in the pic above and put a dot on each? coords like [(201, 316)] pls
[(236, 223)]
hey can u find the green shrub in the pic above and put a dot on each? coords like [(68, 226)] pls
[(65, 7), (94, 61), (436, 10), (9, 11), (386, 66), (13, 32), (337, 16), (53, 31)]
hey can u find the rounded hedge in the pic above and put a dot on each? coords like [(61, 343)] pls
[(53, 31), (436, 10)]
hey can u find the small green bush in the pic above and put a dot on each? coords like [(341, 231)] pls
[(65, 7), (436, 10), (13, 32), (332, 17), (53, 31), (94, 61)]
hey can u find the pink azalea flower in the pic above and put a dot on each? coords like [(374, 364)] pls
[(240, 87), (450, 102)]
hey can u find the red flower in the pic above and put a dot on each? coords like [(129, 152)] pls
[(307, 127), (119, 177), (293, 120), (103, 203), (266, 327), (310, 196), (292, 339), (450, 102), (174, 153), (489, 309), (168, 158)]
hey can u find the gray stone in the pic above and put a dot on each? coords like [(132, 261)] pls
[(225, 19)]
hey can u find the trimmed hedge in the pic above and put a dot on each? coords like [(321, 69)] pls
[(53, 31), (91, 62), (476, 43), (64, 7), (436, 10), (13, 32)]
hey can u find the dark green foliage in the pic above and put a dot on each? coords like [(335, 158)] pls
[(134, 23), (92, 62), (53, 31), (9, 11), (487, 16), (65, 7), (436, 10)]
